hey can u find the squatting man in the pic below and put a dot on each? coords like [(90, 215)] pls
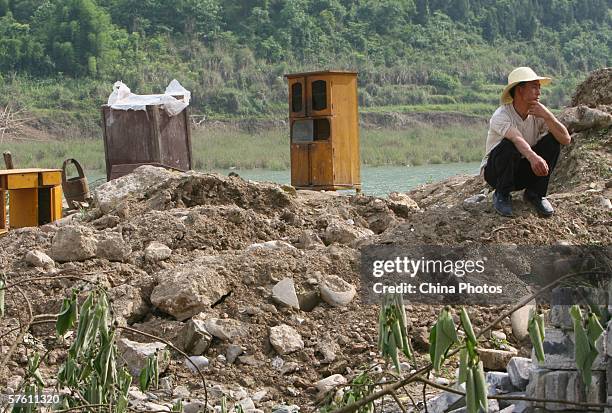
[(523, 144)]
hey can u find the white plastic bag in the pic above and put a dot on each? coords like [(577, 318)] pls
[(120, 92)]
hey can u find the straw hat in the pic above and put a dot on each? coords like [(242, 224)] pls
[(518, 75)]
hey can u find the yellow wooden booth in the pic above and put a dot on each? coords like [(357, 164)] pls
[(35, 197), (324, 130)]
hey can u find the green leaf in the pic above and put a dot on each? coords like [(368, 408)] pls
[(144, 379), (537, 335), (463, 365), (432, 343), (481, 386), (594, 328), (446, 336), (585, 352), (470, 392), (467, 326)]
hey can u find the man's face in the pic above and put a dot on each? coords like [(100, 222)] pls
[(530, 91)]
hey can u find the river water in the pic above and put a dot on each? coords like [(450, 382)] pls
[(377, 181)]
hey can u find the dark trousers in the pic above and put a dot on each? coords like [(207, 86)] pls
[(507, 171)]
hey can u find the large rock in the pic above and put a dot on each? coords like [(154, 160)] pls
[(336, 292), (401, 204), (112, 247), (271, 245), (196, 338), (73, 243), (284, 293), (309, 240), (582, 117), (226, 329), (499, 382), (565, 385), (329, 383), (39, 259), (518, 369), (285, 339), (559, 351), (445, 401), (595, 90), (135, 354), (110, 194), (188, 290), (520, 321), (156, 251), (345, 233), (493, 359), (128, 305)]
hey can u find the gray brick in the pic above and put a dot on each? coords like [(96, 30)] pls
[(565, 385), (518, 369), (559, 351)]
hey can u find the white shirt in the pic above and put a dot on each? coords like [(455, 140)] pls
[(532, 129)]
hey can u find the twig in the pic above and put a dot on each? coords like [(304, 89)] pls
[(398, 401), (176, 349), (58, 277), (22, 334)]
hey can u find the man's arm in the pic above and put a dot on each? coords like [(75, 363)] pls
[(538, 164), (554, 126)]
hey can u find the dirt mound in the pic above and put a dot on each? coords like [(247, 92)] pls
[(595, 90), (175, 250)]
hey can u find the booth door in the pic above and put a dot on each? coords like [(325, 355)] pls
[(321, 165), (300, 164)]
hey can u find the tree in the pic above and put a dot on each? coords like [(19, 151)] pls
[(422, 11), (76, 36)]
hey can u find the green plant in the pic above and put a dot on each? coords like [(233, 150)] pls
[(392, 335), (361, 386), (586, 333)]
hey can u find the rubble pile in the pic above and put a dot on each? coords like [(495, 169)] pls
[(259, 283)]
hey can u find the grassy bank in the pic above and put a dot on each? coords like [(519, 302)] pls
[(220, 149)]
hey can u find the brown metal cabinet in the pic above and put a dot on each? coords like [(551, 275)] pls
[(324, 130), (145, 137)]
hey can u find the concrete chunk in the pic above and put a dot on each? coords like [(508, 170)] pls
[(518, 370), (284, 293)]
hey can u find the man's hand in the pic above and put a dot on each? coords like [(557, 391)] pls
[(539, 110), (538, 165)]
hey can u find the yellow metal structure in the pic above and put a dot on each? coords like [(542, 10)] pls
[(324, 128), (34, 197)]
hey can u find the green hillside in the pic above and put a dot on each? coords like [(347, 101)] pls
[(64, 55)]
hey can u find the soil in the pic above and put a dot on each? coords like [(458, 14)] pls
[(211, 220)]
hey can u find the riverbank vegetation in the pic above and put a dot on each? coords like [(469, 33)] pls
[(223, 149), (62, 56)]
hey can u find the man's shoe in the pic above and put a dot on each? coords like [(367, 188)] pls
[(502, 203), (541, 204)]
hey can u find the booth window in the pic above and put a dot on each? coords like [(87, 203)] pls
[(321, 129), (296, 97), (319, 95), (302, 131)]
